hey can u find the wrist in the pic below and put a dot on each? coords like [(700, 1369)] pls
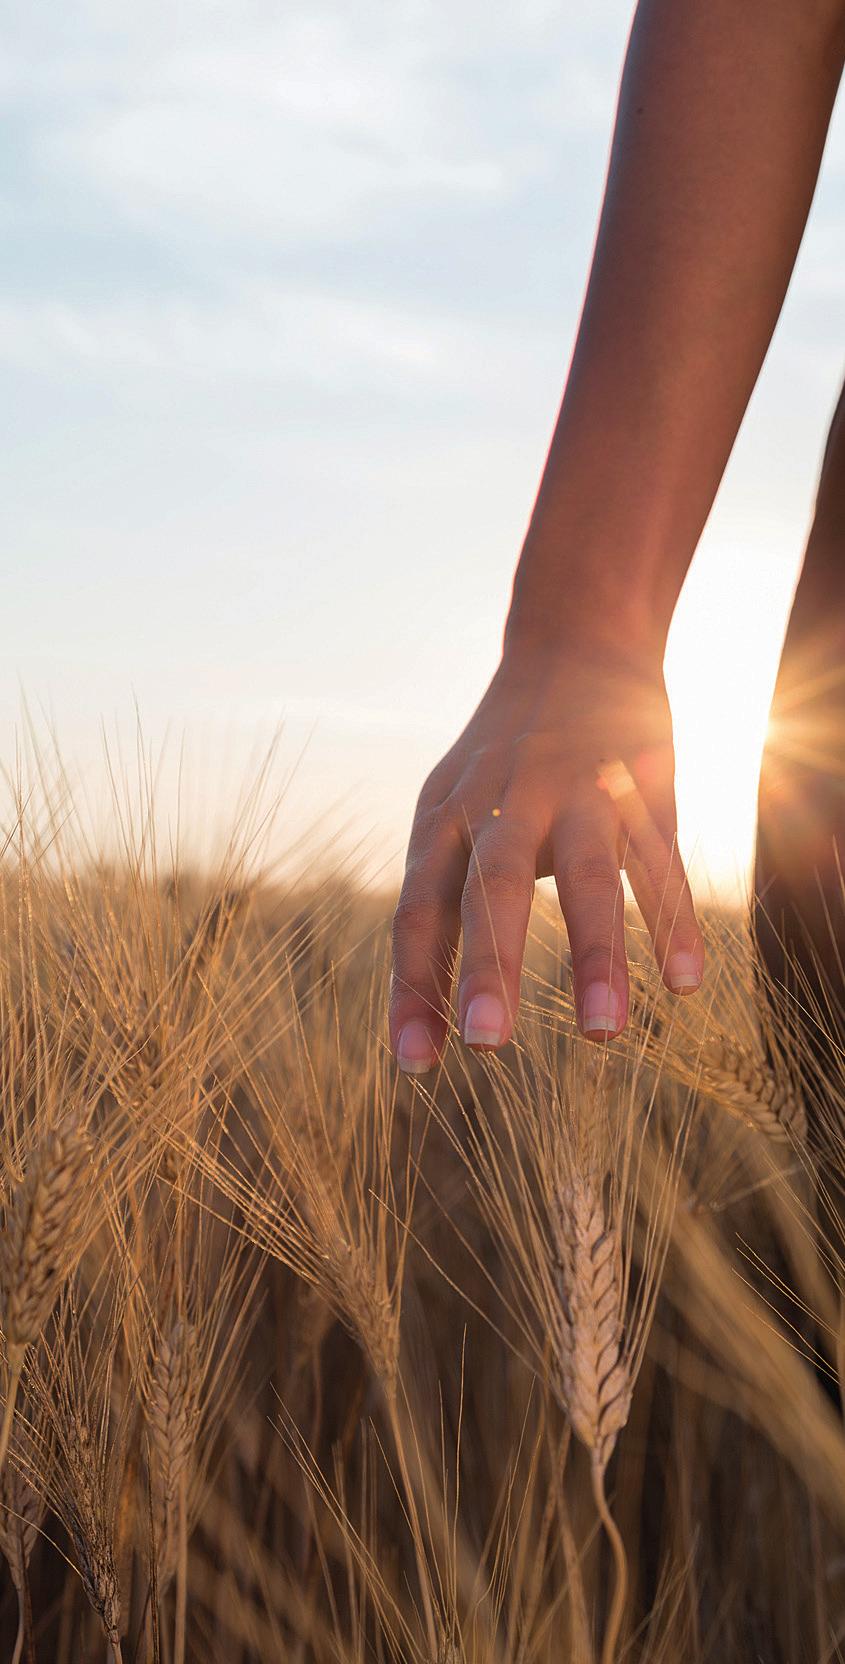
[(582, 617), (602, 561)]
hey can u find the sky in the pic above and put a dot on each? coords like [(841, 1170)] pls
[(287, 298)]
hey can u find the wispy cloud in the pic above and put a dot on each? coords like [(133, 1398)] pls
[(297, 125), (264, 334), (290, 337)]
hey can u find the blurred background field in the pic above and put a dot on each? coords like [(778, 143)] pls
[(536, 1357)]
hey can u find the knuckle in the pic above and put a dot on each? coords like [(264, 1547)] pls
[(479, 756), (653, 860), (432, 792), (430, 822), (490, 971), (524, 829), (596, 958), (664, 875), (414, 915), (497, 880), (536, 744), (433, 847), (467, 808), (588, 872)]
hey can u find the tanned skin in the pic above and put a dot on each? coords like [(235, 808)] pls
[(723, 112)]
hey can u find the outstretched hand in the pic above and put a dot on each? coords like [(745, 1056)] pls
[(565, 768)]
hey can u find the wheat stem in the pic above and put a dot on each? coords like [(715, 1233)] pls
[(181, 1571), (17, 1655), (414, 1519), (620, 1591), (9, 1412)]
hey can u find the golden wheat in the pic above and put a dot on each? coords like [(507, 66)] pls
[(591, 1367), (171, 1410), (21, 1513), (434, 1364), (744, 1084), (22, 1510), (46, 1218), (81, 1504)]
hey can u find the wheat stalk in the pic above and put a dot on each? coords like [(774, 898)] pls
[(559, 1188), (21, 1512), (79, 1438), (187, 1352), (724, 1043), (698, 1046), (732, 1074), (45, 1222), (171, 1411), (83, 1511), (745, 1085), (592, 1370)]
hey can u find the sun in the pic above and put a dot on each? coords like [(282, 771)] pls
[(721, 664)]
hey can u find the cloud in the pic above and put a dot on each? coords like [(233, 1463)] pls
[(290, 337), (297, 129), (317, 124), (265, 334)]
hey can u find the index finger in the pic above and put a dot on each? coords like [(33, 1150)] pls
[(426, 931)]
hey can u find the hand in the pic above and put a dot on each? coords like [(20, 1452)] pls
[(566, 767)]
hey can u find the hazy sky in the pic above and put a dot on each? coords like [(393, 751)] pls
[(287, 299)]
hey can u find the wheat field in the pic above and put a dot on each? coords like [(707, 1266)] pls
[(536, 1358)]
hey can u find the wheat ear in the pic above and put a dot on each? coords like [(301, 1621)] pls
[(83, 1514), (37, 1249), (171, 1416), (734, 1075), (593, 1376), (746, 1085), (592, 1367)]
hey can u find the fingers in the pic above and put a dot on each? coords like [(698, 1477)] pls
[(653, 772), (653, 863), (488, 894), (426, 928), (586, 867), (495, 910)]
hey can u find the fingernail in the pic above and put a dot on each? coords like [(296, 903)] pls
[(415, 1049), (485, 1022), (682, 973), (601, 1009)]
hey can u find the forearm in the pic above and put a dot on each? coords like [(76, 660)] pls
[(723, 113)]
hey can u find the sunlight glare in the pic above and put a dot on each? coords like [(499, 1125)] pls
[(721, 665)]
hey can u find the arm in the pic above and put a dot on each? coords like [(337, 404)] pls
[(723, 112)]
